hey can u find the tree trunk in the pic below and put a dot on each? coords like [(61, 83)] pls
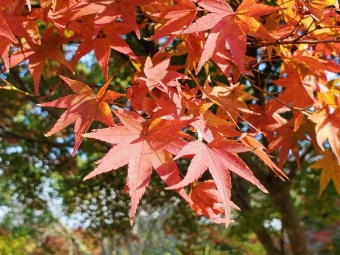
[(241, 197), (279, 192)]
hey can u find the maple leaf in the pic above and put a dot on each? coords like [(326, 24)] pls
[(222, 20), (221, 95), (84, 27), (302, 63), (297, 92), (61, 13), (105, 11), (288, 133), (7, 37), (261, 120), (208, 125), (137, 95), (235, 92), (107, 38), (142, 149), (5, 31), (123, 9), (193, 47), (219, 156), (297, 9), (330, 170), (262, 153), (83, 108), (22, 26), (180, 16), (38, 54), (328, 127), (224, 60), (158, 75), (4, 50), (207, 201), (330, 97), (25, 26)]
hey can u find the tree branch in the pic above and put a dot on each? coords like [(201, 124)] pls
[(9, 134)]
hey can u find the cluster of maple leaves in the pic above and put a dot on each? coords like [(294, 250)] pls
[(167, 119)]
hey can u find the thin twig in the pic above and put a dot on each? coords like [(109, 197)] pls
[(302, 110), (263, 44)]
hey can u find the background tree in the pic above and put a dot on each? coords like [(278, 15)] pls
[(221, 100)]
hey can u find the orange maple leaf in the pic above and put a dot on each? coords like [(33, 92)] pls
[(83, 108), (38, 54), (330, 170), (296, 92), (180, 16), (288, 133), (262, 153)]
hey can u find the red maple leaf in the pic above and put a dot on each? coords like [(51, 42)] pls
[(25, 26), (37, 54), (5, 31), (83, 108), (123, 9), (138, 98), (84, 27), (61, 13), (228, 29), (219, 156), (107, 38), (7, 38), (180, 16), (207, 201), (5, 44), (14, 24), (139, 145)]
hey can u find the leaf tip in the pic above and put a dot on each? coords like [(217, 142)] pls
[(174, 187), (87, 177)]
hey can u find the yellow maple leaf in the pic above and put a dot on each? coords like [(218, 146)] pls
[(308, 10), (330, 170), (331, 96), (236, 93), (224, 96), (328, 127)]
